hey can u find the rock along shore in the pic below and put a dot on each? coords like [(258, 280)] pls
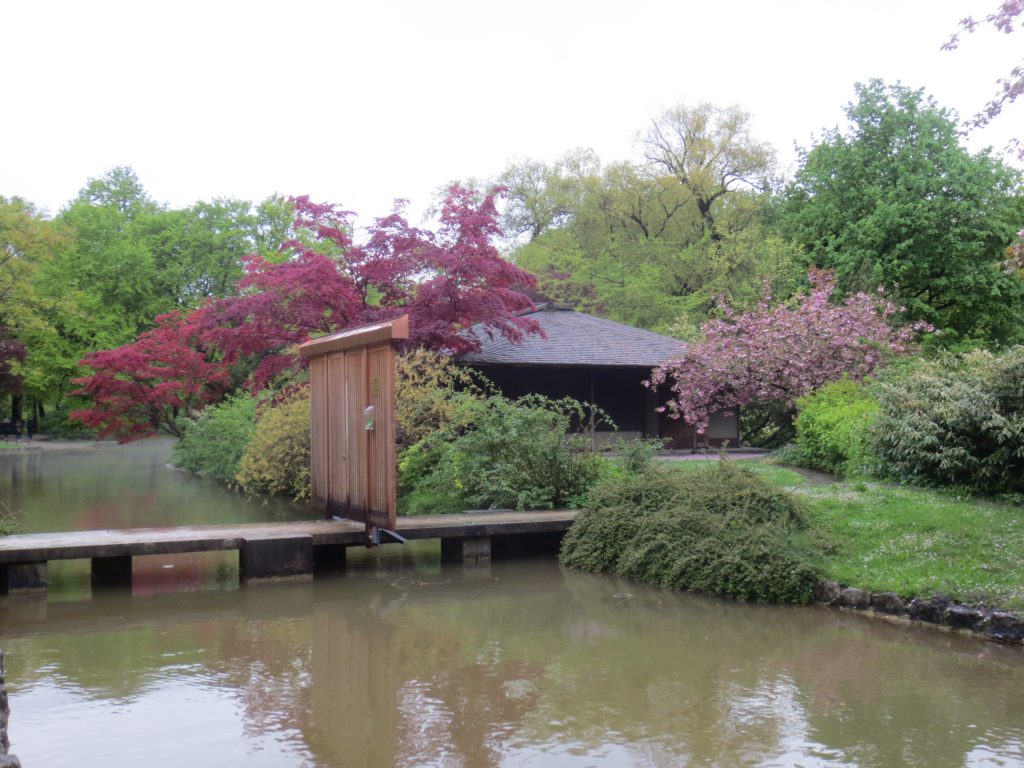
[(1000, 626), (6, 760)]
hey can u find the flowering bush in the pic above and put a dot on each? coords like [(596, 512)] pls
[(779, 354)]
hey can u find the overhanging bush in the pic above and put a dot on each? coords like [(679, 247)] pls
[(957, 420), (721, 530)]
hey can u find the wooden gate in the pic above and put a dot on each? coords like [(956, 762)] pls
[(352, 384)]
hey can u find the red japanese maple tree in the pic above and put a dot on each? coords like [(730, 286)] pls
[(446, 281), (147, 385)]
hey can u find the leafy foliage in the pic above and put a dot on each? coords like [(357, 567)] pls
[(57, 422), (605, 531), (832, 427), (720, 529), (28, 318), (446, 281), (150, 384), (897, 201), (710, 152), (276, 460), (112, 261), (500, 454), (957, 420), (215, 440), (651, 242), (779, 354), (12, 355), (429, 390)]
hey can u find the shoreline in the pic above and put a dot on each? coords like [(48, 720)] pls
[(938, 611), (46, 443)]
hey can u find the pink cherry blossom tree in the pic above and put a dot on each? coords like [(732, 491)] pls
[(1006, 18), (775, 355)]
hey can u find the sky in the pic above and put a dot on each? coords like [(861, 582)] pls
[(359, 103)]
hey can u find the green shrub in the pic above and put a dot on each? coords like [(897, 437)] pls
[(499, 454), (215, 439), (55, 423), (957, 420), (430, 392), (720, 529), (832, 426), (276, 460), (602, 532), (638, 455)]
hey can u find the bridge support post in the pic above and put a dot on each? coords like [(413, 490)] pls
[(329, 558), (112, 572), (468, 551), (288, 557), (23, 577)]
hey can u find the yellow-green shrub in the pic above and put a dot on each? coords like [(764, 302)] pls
[(832, 427), (276, 460), (429, 389)]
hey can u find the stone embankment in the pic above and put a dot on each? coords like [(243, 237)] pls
[(995, 625), (6, 760)]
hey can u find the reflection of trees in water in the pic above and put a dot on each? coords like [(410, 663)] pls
[(353, 672), (122, 487), (21, 475), (393, 688), (738, 680)]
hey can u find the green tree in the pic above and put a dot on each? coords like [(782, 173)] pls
[(28, 244), (709, 150), (897, 201), (118, 188), (654, 243), (198, 251), (541, 196), (123, 260)]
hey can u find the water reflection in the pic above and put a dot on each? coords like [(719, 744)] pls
[(532, 666), (127, 486), (402, 662)]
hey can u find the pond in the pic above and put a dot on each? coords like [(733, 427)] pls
[(401, 661)]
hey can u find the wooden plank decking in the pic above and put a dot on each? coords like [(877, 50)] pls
[(132, 542)]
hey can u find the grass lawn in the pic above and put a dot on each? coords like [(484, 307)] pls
[(913, 541)]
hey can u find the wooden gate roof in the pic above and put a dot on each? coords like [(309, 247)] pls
[(575, 338)]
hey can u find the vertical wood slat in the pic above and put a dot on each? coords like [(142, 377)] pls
[(381, 440), (355, 440), (319, 427), (335, 389)]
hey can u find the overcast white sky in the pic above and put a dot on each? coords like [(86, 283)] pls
[(358, 103)]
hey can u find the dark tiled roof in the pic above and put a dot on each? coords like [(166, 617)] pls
[(573, 338)]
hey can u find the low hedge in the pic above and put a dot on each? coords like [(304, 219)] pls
[(720, 529)]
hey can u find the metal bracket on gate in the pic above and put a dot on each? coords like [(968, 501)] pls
[(375, 536)]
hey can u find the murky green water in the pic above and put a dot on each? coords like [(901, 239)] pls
[(400, 662)]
